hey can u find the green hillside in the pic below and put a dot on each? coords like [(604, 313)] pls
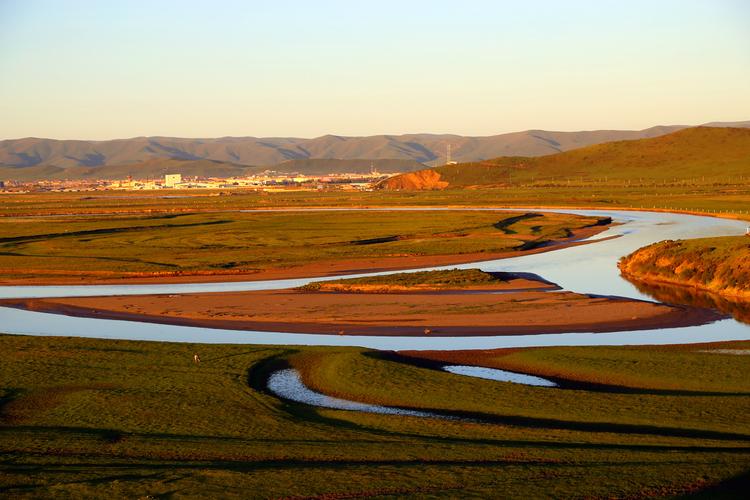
[(696, 155)]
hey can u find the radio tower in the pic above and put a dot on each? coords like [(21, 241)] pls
[(448, 160)]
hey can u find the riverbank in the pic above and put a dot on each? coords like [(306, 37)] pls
[(717, 265)]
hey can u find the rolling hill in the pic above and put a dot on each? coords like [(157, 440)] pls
[(32, 158), (320, 166), (699, 153)]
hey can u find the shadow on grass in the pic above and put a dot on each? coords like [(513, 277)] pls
[(89, 257), (736, 487), (257, 379), (105, 231), (112, 436)]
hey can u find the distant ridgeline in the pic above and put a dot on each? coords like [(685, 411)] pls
[(700, 155), (144, 157)]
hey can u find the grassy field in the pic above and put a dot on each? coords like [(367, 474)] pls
[(639, 368), (720, 265), (724, 197), (249, 242), (83, 418)]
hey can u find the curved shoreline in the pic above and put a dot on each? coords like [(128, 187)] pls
[(287, 384), (602, 278)]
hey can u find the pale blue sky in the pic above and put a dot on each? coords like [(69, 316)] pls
[(106, 69)]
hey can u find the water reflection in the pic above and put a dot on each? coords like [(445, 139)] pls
[(671, 294)]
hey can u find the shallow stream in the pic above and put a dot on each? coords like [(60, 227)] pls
[(588, 268)]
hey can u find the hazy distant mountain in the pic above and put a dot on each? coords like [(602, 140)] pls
[(41, 158), (695, 154), (320, 166), (745, 124)]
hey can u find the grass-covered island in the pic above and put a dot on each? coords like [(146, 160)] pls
[(718, 265), (451, 279)]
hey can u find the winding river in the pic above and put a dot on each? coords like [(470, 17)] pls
[(585, 269)]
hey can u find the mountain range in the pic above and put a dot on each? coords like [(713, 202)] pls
[(695, 155), (140, 157)]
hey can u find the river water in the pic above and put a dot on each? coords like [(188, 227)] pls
[(585, 269)]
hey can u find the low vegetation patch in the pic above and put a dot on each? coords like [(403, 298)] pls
[(431, 280)]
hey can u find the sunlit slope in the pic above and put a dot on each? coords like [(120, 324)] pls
[(720, 265), (698, 155)]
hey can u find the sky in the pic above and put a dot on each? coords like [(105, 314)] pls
[(74, 69)]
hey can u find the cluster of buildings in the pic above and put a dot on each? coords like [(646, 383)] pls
[(267, 181)]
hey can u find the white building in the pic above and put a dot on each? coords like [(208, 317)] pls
[(171, 180)]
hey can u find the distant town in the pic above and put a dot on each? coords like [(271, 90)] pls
[(267, 181)]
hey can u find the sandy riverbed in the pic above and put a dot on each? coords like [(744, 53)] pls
[(520, 306)]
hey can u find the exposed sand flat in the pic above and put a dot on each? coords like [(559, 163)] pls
[(444, 313)]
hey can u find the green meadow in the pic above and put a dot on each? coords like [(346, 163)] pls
[(88, 418), (249, 242), (84, 418), (720, 196)]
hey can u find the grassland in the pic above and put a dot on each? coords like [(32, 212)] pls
[(723, 197), (718, 265), (83, 418), (628, 367), (245, 243), (87, 418)]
